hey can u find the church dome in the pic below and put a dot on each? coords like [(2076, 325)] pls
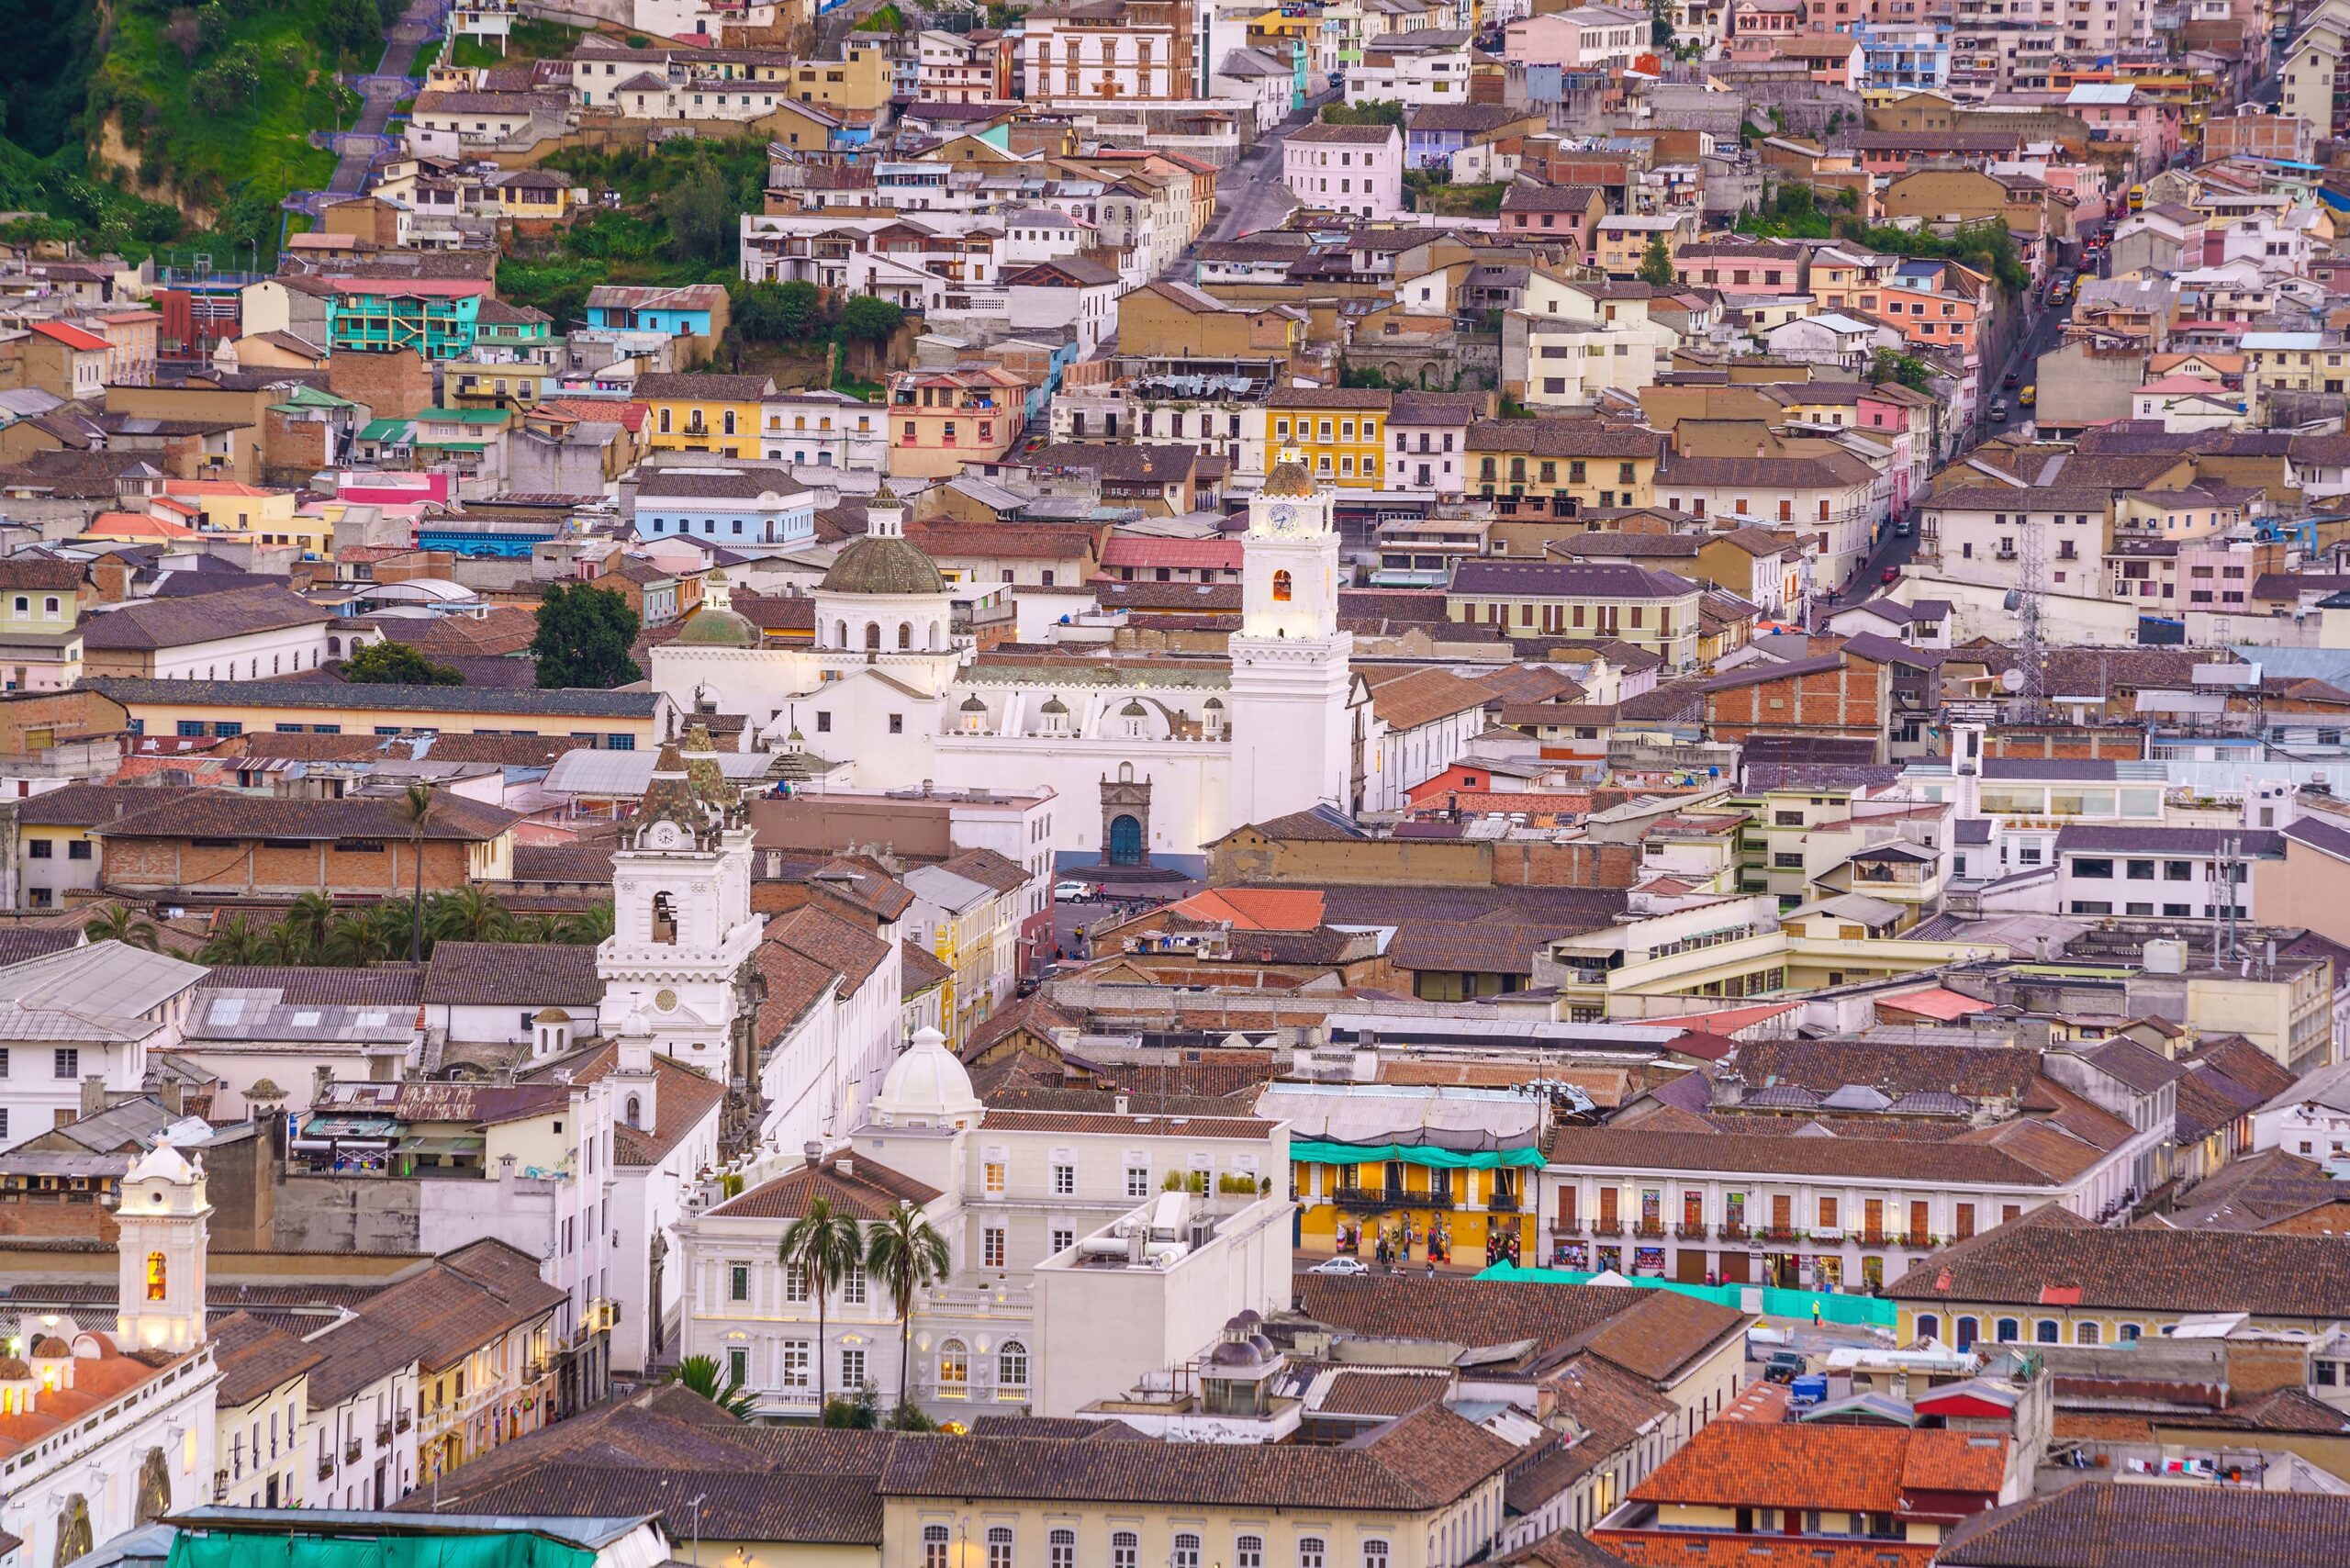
[(973, 705), (1134, 710), (1289, 477), (885, 564), (1055, 705), (718, 629), (48, 1347), (13, 1369), (925, 1084)]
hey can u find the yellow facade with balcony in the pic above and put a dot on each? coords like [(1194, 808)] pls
[(1476, 1215), (1337, 430), (702, 413)]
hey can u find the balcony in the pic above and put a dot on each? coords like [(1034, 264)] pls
[(326, 1468), (384, 1436), (1735, 1233), (1374, 1198), (1686, 1231), (403, 1421), (1606, 1227), (1648, 1230), (1782, 1233), (1502, 1204), (351, 1451)]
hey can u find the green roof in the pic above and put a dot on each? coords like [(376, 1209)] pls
[(455, 445), (462, 416), (385, 430), (311, 397)]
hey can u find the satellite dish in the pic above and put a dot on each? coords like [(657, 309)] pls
[(2012, 681)]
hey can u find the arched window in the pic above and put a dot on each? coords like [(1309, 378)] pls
[(2009, 1331), (2130, 1331), (2087, 1334), (1248, 1552), (954, 1369), (634, 1112), (1125, 1550), (2044, 1331), (905, 636), (729, 422), (1969, 1330), (998, 1546), (1187, 1550), (1012, 1365), (1060, 1549), (665, 421), (937, 1539), (873, 636), (1930, 1327), (334, 647), (1282, 587), (1311, 1552), (1375, 1554), (157, 1278), (665, 919)]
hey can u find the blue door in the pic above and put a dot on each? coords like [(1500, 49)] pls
[(1125, 841)]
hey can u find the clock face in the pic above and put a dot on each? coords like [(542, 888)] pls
[(667, 1000), (1284, 519)]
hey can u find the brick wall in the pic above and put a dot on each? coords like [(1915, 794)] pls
[(394, 385), (1850, 700), (250, 867), (293, 448)]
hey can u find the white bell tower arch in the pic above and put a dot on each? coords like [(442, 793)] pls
[(1291, 744)]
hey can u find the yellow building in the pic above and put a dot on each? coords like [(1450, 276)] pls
[(860, 81), (1477, 1208), (703, 413), (608, 720), (249, 511), (1339, 429), (1561, 467)]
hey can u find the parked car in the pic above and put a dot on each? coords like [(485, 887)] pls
[(1783, 1366), (1340, 1266), (2027, 396), (1906, 527), (2000, 412), (2010, 379), (1074, 892), (1890, 574)]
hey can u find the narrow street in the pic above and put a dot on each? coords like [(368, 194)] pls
[(1250, 195)]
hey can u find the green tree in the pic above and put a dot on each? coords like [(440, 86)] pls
[(356, 939), (1660, 24), (122, 923), (824, 1246), (588, 927), (724, 1390), (416, 807), (396, 663), (701, 212), (354, 28), (779, 312), (1892, 365), (468, 914), (856, 1412), (871, 321), (1381, 111), (905, 1256), (302, 929), (583, 638), (1656, 264), (229, 85), (233, 941)]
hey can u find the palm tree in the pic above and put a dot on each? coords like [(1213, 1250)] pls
[(905, 1255), (588, 927), (416, 808), (357, 939), (233, 941), (468, 914), (306, 924), (121, 923), (825, 1246), (701, 1374)]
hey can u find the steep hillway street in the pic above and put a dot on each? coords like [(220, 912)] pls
[(1250, 194)]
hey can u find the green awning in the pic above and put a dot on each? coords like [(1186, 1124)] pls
[(455, 445), (1308, 1150), (210, 1544), (385, 430)]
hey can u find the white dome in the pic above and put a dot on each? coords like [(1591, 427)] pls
[(926, 1085)]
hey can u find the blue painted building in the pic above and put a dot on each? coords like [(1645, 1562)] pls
[(1908, 56), (697, 310), (731, 507)]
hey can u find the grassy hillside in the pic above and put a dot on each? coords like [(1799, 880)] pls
[(201, 113)]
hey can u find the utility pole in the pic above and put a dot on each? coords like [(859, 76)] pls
[(2027, 678)]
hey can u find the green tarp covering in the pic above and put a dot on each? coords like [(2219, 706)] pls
[(196, 1547), (1853, 1311), (1316, 1153)]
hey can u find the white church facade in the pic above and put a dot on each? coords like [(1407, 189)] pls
[(1177, 749)]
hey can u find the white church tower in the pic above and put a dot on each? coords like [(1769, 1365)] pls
[(1292, 746), (164, 1219), (682, 926)]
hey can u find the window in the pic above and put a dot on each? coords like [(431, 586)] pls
[(1061, 1550), (1137, 1181), (852, 1287), (2009, 1331), (795, 1282), (1063, 1238), (1375, 1554), (738, 1282), (852, 1369), (2099, 869), (1248, 1552), (896, 724), (157, 1278), (2085, 1334), (954, 1370), (992, 1175), (1064, 1181), (1930, 1327), (992, 1247), (1311, 1552), (796, 1363), (738, 1368), (2044, 1331), (998, 1546), (1012, 1365), (39, 848), (66, 1062), (935, 1539)]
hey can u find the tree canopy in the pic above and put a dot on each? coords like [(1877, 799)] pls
[(583, 638), (871, 320), (1656, 264), (396, 663)]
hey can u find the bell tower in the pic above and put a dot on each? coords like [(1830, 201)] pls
[(1290, 746), (162, 1221), (682, 926)]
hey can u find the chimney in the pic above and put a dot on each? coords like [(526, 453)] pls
[(1118, 1103), (172, 1093), (812, 1151), (846, 1165), (94, 1093)]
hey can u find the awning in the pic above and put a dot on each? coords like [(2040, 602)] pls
[(1311, 1151), (351, 1126), (441, 1146)]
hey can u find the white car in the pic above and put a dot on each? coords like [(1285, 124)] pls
[(1072, 892), (1341, 1265)]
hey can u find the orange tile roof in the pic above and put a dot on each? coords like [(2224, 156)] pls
[(1257, 909), (71, 337), (1935, 1003), (98, 1381), (135, 525), (1837, 1469)]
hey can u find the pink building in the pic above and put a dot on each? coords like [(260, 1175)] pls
[(2117, 111), (1355, 170)]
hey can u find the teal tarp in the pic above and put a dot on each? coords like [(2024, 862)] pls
[(202, 1546), (1317, 1153), (1853, 1311)]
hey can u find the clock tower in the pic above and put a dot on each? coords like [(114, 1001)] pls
[(1291, 726)]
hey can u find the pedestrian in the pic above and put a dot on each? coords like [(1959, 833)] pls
[(1431, 1268)]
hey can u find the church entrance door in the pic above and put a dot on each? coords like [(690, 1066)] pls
[(1125, 841)]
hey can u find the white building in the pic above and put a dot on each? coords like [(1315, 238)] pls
[(1012, 1193), (2310, 1119), (1176, 755), (98, 1439), (92, 1012)]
